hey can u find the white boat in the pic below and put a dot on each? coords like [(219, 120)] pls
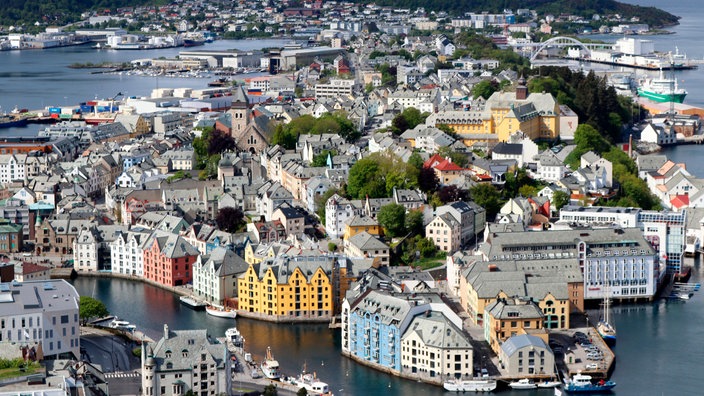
[(524, 383), (192, 303), (270, 367), (220, 312), (605, 328), (475, 385), (549, 384), (311, 383), (233, 335), (122, 325)]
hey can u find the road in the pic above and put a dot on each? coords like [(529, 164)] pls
[(112, 353)]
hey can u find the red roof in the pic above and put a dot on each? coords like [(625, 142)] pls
[(29, 268), (441, 164), (680, 201)]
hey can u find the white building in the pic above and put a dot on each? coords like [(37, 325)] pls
[(85, 250), (11, 168), (215, 275), (335, 88), (126, 253), (40, 312), (337, 211)]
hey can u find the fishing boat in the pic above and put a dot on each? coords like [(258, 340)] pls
[(220, 312), (270, 367), (192, 303), (662, 89), (581, 383), (605, 328), (12, 121), (310, 382), (474, 385), (524, 383)]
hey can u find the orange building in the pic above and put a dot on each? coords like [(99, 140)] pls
[(168, 259)]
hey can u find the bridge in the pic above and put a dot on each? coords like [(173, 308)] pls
[(559, 42)]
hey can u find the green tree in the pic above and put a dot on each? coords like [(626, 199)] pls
[(527, 191), (271, 390), (302, 392), (458, 158), (322, 158), (407, 119), (484, 88), (488, 197), (89, 307), (414, 222), (560, 199), (416, 160), (393, 218), (378, 174), (332, 246), (230, 219)]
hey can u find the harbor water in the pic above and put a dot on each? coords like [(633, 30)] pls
[(657, 350)]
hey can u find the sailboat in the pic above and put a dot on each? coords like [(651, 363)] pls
[(606, 329)]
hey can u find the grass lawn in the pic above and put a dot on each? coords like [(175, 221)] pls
[(429, 262), (15, 372)]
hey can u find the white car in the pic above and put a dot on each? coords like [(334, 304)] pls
[(592, 366)]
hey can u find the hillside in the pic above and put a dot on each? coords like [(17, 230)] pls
[(652, 16), (55, 12)]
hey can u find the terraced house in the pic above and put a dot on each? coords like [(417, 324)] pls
[(289, 288)]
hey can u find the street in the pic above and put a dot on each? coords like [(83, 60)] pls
[(111, 352)]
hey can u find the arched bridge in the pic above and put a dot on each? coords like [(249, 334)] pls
[(560, 42)]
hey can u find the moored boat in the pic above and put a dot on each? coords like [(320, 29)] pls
[(233, 335), (475, 385), (524, 383), (549, 384), (662, 89), (311, 383), (581, 383), (605, 327), (192, 303), (12, 121), (220, 312), (122, 325), (270, 367)]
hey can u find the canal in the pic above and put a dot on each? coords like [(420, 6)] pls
[(656, 352)]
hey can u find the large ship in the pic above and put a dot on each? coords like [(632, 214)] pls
[(662, 89)]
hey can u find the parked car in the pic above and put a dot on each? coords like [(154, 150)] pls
[(592, 366), (594, 356), (580, 334), (585, 343)]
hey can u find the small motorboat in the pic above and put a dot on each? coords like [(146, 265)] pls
[(524, 383), (549, 384)]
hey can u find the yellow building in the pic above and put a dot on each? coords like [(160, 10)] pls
[(358, 224), (505, 318), (286, 288), (537, 115)]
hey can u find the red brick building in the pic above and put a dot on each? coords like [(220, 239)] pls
[(168, 259)]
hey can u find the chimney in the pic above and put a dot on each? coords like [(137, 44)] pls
[(166, 331)]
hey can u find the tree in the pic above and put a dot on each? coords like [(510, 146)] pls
[(302, 392), (560, 199), (486, 196), (414, 222), (89, 307), (484, 88), (229, 219), (393, 218), (332, 246), (271, 390), (408, 119), (458, 158), (322, 158), (428, 180), (416, 160), (452, 193), (219, 142), (378, 174)]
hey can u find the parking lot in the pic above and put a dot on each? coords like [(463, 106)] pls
[(582, 350)]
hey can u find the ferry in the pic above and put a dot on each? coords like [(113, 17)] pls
[(662, 89), (474, 385)]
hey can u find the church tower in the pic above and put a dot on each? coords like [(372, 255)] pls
[(239, 111)]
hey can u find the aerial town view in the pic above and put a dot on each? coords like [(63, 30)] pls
[(313, 197)]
